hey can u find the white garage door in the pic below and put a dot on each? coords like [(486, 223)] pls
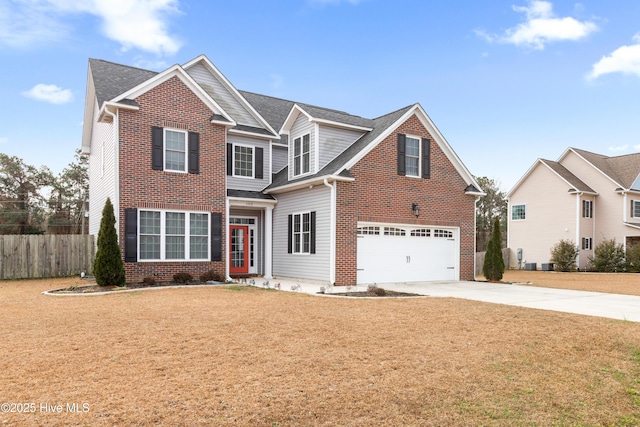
[(397, 253)]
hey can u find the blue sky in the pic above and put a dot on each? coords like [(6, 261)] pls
[(505, 81)]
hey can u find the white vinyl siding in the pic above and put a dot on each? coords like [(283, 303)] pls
[(302, 127), (313, 266), (279, 159), (243, 182), (103, 182), (222, 95)]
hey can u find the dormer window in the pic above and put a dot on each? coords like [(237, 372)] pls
[(301, 155)]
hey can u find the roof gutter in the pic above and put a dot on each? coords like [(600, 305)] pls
[(309, 183)]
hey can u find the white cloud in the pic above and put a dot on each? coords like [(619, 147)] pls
[(625, 59), (49, 93), (139, 24), (619, 148), (541, 27)]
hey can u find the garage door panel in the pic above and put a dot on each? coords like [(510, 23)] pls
[(423, 256)]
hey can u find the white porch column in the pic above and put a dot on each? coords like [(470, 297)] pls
[(226, 241), (268, 242)]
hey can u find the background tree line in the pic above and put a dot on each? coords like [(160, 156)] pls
[(35, 201), (489, 207)]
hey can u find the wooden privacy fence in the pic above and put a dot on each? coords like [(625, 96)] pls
[(480, 260), (42, 256)]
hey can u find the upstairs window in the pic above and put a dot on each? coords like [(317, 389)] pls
[(587, 209), (243, 161), (635, 208), (301, 155), (518, 212), (414, 156), (175, 150)]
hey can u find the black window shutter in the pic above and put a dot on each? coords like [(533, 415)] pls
[(194, 152), (259, 163), (216, 236), (402, 142), (290, 235), (313, 233), (131, 235), (632, 206), (229, 159), (426, 158), (157, 136)]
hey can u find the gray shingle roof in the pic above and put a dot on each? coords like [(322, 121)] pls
[(575, 182), (111, 79), (622, 169)]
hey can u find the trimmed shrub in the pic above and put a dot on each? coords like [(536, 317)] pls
[(563, 255), (108, 268), (211, 276), (182, 278), (608, 257), (150, 281), (493, 267)]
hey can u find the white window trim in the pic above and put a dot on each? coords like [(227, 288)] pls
[(635, 203), (525, 212), (406, 156), (253, 161), (163, 236), (293, 151), (301, 233), (164, 150)]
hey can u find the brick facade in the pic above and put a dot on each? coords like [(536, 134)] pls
[(379, 194), (172, 105)]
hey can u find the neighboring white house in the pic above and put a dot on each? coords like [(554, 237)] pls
[(583, 197)]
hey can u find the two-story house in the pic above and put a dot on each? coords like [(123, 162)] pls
[(582, 197), (204, 176)]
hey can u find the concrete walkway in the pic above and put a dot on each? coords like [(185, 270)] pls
[(614, 306)]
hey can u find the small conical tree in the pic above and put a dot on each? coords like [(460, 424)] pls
[(493, 267), (108, 268)]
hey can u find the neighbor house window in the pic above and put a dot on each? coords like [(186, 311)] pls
[(242, 160), (167, 235), (587, 209), (301, 155), (635, 208), (587, 243), (175, 150), (412, 156), (518, 212)]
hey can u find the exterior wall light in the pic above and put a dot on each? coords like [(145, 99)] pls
[(416, 209)]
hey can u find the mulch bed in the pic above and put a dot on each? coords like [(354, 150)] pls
[(129, 286), (369, 294)]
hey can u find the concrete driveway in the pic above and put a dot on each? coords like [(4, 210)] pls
[(614, 306)]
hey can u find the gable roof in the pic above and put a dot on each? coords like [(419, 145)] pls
[(623, 170), (575, 183), (111, 79)]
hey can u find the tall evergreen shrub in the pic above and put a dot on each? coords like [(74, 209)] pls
[(108, 268), (493, 267)]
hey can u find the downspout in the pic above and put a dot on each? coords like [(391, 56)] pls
[(578, 240), (475, 236), (332, 243)]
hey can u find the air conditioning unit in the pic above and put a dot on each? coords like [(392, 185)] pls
[(531, 266), (547, 266)]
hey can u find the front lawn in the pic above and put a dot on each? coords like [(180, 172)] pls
[(247, 356)]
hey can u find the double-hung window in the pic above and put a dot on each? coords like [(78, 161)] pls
[(412, 156), (587, 243), (518, 212), (302, 233), (587, 209), (301, 155), (175, 150), (169, 235), (635, 208), (243, 161)]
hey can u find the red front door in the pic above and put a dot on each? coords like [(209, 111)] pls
[(239, 251)]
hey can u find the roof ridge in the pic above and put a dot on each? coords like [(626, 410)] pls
[(395, 111), (123, 65)]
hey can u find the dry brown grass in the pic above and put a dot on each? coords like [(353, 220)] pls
[(246, 356), (620, 283)]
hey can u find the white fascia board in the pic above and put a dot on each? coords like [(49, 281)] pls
[(214, 70), (253, 135), (291, 118), (256, 203), (565, 181), (523, 178), (311, 182), (175, 71), (340, 125), (590, 164)]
